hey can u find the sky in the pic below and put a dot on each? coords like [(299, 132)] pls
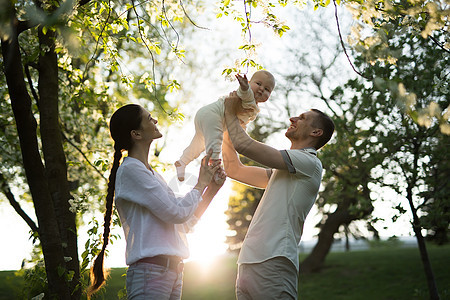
[(208, 239)]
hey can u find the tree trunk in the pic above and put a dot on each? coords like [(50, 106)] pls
[(412, 182), (347, 240), (314, 261), (432, 287), (34, 169), (342, 216), (54, 156)]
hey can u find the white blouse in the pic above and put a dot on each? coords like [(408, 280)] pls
[(153, 219)]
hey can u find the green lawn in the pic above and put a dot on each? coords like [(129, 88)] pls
[(380, 273)]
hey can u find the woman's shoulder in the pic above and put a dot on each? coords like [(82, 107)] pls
[(130, 164)]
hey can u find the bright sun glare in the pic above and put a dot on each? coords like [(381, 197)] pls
[(207, 241)]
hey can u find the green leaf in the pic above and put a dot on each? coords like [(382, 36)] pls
[(61, 270)]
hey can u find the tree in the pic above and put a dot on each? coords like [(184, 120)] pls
[(436, 202), (425, 19), (407, 145), (418, 66), (48, 185), (62, 64)]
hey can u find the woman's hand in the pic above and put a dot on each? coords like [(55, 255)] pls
[(213, 187), (207, 171), (219, 179)]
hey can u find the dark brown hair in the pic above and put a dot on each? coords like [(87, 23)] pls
[(123, 121), (325, 123)]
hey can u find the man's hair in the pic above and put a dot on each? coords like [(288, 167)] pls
[(325, 123)]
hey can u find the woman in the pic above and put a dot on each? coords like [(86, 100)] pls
[(153, 219)]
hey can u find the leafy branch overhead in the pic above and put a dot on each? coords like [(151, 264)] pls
[(375, 24), (67, 65)]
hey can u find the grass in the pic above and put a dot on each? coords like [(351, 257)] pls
[(395, 273), (381, 273)]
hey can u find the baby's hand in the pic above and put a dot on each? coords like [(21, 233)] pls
[(243, 82)]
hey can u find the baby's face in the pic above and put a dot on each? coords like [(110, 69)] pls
[(262, 85)]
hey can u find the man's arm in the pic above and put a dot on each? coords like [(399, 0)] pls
[(244, 144), (254, 176)]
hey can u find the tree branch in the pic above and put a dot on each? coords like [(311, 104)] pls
[(171, 26), (97, 44), (10, 196), (30, 83), (247, 21), (189, 18), (25, 25), (151, 54), (342, 42), (439, 44), (84, 156), (83, 2)]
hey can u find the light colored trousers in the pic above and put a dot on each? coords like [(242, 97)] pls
[(149, 281), (209, 128), (276, 278)]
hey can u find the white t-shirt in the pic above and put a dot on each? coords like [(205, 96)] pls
[(277, 225), (153, 219)]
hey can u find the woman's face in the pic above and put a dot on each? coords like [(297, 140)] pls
[(148, 126)]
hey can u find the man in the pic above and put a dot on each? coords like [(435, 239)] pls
[(268, 262)]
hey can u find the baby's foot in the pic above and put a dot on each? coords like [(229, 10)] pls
[(180, 166)]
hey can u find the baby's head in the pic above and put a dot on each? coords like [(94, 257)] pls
[(262, 84)]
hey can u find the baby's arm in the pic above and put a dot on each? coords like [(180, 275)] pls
[(243, 82), (246, 93)]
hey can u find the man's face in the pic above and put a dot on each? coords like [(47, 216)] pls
[(301, 126)]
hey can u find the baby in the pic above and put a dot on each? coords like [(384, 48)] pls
[(209, 120)]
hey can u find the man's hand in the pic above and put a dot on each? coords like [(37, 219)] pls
[(243, 82), (233, 104)]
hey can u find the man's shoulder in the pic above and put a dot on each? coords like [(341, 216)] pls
[(301, 154), (302, 151), (301, 160)]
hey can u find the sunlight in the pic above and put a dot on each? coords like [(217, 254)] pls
[(207, 241)]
